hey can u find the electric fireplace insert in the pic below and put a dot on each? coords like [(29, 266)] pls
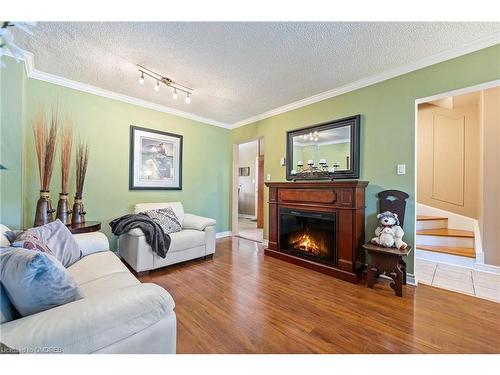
[(309, 235)]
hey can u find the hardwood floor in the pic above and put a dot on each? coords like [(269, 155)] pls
[(244, 302)]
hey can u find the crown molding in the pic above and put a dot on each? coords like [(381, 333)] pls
[(476, 45), (33, 73)]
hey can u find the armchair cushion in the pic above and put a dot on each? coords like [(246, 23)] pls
[(90, 324), (197, 222)]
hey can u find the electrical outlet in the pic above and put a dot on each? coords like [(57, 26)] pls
[(401, 168), (268, 177)]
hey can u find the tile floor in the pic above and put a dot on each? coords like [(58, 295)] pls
[(459, 279), (248, 229)]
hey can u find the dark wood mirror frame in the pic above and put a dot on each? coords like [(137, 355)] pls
[(352, 173)]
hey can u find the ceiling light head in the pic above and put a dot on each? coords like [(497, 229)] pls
[(157, 86), (141, 80), (174, 95), (188, 98)]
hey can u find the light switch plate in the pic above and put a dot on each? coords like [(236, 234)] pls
[(282, 162), (268, 177), (401, 168)]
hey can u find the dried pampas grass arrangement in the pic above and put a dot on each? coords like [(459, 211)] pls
[(82, 159), (66, 148), (45, 146)]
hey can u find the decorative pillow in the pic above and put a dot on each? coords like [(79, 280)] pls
[(7, 311), (35, 281), (57, 239), (166, 218), (28, 240)]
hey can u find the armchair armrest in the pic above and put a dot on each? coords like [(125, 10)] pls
[(90, 324), (197, 222), (90, 243)]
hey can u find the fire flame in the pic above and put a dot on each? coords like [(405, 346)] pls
[(306, 243)]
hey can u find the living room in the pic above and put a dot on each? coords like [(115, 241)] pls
[(182, 187)]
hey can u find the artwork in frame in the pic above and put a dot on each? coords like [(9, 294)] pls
[(155, 160)]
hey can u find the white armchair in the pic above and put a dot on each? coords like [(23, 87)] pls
[(195, 240)]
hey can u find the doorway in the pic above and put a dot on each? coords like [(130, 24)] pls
[(458, 190), (248, 190)]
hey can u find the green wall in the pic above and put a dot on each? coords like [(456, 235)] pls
[(105, 125), (11, 98), (387, 126)]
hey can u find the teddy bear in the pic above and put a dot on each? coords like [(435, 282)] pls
[(389, 233)]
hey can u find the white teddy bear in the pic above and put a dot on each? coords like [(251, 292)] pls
[(389, 233)]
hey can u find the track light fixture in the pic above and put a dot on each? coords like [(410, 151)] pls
[(166, 81)]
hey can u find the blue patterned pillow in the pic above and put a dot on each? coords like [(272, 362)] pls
[(35, 281)]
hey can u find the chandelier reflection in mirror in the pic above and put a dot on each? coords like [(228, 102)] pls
[(158, 78)]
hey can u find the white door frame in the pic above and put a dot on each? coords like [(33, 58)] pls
[(234, 205), (461, 91)]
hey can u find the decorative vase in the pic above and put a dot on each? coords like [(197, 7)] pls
[(78, 215), (44, 209), (63, 212)]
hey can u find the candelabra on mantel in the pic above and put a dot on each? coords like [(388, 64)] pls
[(312, 170)]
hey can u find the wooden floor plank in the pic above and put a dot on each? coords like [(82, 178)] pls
[(242, 301)]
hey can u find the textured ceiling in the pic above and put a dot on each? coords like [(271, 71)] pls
[(238, 70)]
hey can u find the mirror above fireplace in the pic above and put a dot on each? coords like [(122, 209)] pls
[(324, 151)]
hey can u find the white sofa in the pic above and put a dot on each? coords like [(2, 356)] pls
[(118, 314), (195, 240)]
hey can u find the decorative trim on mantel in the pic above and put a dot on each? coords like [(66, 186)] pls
[(476, 45), (33, 73)]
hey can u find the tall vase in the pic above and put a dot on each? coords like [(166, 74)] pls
[(78, 216), (44, 209), (63, 210)]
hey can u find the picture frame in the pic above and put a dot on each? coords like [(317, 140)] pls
[(155, 161), (244, 171)]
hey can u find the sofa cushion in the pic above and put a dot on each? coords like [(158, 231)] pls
[(95, 266), (176, 206), (35, 281), (4, 241), (93, 323), (186, 239), (108, 284)]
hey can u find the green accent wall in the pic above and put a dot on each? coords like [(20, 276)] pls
[(105, 124), (387, 126), (11, 98)]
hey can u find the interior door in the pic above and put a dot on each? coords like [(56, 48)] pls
[(260, 193)]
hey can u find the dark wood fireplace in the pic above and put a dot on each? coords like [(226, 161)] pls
[(319, 225)]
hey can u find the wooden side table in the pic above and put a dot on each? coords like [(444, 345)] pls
[(390, 261), (86, 227)]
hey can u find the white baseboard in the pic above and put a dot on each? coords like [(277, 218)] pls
[(223, 234), (410, 279), (245, 216)]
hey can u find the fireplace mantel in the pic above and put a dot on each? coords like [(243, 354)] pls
[(344, 199)]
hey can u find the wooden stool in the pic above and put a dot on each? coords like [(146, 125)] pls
[(388, 260)]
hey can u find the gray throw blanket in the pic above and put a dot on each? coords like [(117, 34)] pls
[(155, 237)]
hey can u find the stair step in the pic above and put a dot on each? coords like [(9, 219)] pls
[(459, 251), (427, 218), (444, 232)]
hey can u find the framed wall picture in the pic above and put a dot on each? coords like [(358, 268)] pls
[(244, 171), (155, 160)]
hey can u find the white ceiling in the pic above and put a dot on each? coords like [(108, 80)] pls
[(238, 69)]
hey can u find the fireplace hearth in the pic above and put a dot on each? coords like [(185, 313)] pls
[(318, 225), (308, 234)]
